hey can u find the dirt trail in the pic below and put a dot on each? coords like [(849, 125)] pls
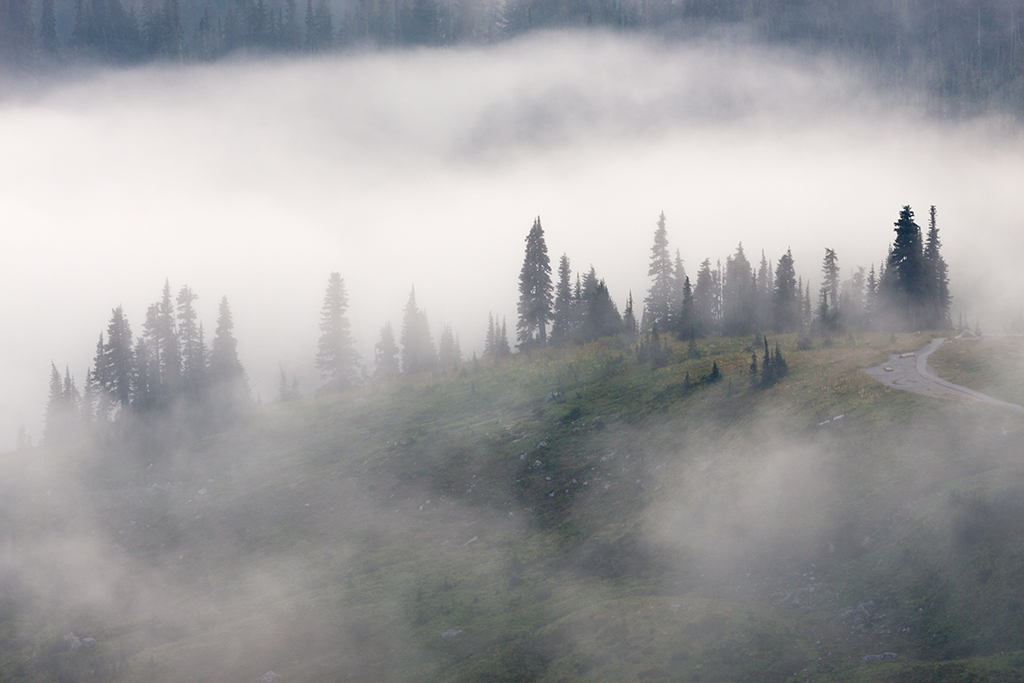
[(909, 372)]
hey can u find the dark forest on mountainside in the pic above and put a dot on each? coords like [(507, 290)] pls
[(967, 55)]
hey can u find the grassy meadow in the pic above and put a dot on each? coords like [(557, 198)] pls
[(560, 515)]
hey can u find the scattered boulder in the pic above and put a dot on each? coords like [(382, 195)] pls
[(73, 641), (451, 633)]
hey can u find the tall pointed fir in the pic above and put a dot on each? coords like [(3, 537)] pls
[(492, 337), (561, 330), (828, 304), (602, 317), (738, 295), (418, 352), (937, 279), (687, 327), (678, 283), (385, 354), (904, 285), (335, 356), (148, 358), (502, 348), (705, 299), (871, 297), (170, 353), (660, 295), (98, 404), (143, 389), (786, 298), (193, 349), (534, 290), (763, 314), (61, 409), (448, 353), (118, 362), (228, 383), (629, 323)]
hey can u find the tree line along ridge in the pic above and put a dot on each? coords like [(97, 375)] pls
[(169, 369)]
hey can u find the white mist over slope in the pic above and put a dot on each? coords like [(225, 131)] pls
[(255, 180)]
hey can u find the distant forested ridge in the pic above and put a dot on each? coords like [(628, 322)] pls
[(966, 52), (169, 370)]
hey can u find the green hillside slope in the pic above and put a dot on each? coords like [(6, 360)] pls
[(565, 515)]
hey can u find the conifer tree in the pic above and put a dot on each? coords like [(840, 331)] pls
[(55, 409), (678, 283), (143, 392), (71, 396), (807, 303), (225, 367), (871, 296), (417, 345), (193, 348), (804, 319), (447, 349), (905, 285), (602, 316), (786, 302), (169, 351), (285, 391), (687, 325), (763, 308), (385, 354), (491, 341), (705, 300), (534, 290), (937, 279), (335, 357), (660, 295), (828, 308), (561, 316), (629, 324), (501, 345), (227, 375), (117, 362), (152, 391), (739, 295)]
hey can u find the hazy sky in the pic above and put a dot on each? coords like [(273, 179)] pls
[(256, 180)]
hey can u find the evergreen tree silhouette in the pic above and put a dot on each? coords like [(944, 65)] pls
[(663, 281), (385, 354), (335, 357), (534, 290)]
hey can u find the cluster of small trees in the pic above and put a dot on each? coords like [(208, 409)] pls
[(168, 369), (580, 312), (337, 359), (910, 291)]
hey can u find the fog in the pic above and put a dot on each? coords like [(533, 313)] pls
[(256, 179)]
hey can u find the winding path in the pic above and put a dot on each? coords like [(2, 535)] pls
[(909, 372)]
